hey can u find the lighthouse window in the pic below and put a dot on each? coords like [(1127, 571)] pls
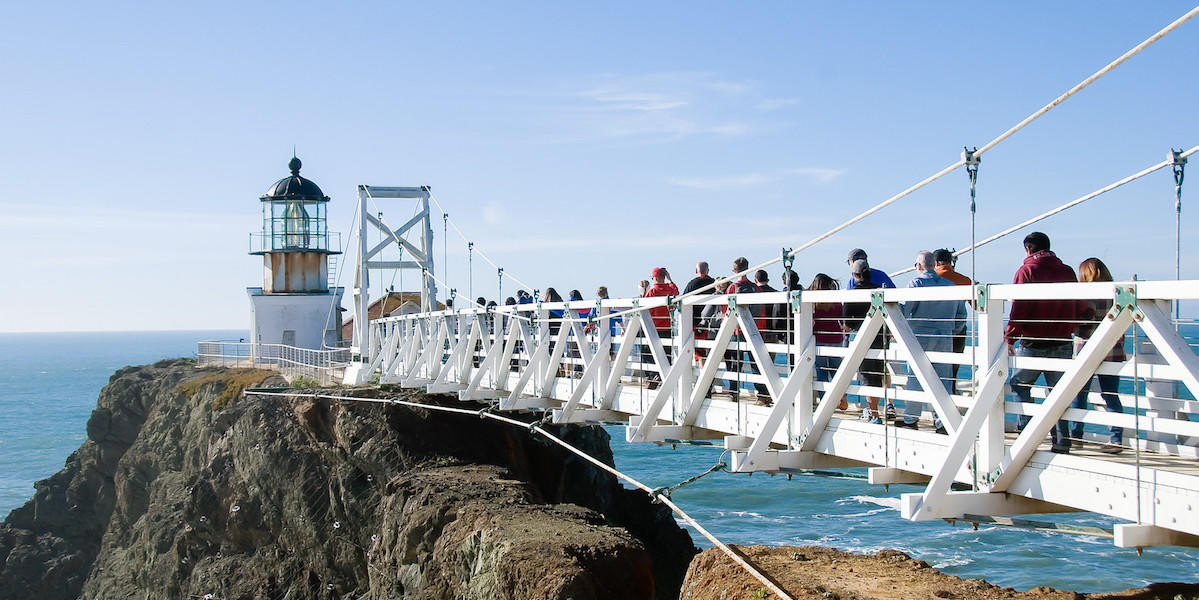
[(295, 224)]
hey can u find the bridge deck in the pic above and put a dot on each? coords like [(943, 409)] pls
[(587, 369)]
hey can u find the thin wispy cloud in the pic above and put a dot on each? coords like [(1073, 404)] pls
[(723, 182), (821, 175), (659, 107), (494, 213), (777, 103)]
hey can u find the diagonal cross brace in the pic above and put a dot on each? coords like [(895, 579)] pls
[(708, 373), (539, 355), (618, 365), (960, 442), (841, 380), (925, 374), (554, 361), (587, 382), (437, 340), (1170, 345), (1062, 395), (491, 360), (397, 235), (783, 395)]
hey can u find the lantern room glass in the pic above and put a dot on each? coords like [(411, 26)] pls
[(295, 225)]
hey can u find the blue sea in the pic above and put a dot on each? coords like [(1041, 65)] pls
[(49, 383)]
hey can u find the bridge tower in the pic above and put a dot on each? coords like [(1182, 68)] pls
[(295, 306), (420, 258)]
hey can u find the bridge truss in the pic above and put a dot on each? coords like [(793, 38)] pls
[(595, 368)]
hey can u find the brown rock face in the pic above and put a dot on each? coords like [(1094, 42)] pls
[(815, 573), (288, 497)]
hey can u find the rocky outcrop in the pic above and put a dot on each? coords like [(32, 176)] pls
[(817, 573), (180, 492)]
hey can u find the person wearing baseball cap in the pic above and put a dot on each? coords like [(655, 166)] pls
[(878, 277), (662, 286)]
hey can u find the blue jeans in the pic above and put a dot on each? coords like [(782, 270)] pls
[(1109, 385), (1023, 379), (825, 367), (913, 408)]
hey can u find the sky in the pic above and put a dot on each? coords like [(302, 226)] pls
[(576, 144)]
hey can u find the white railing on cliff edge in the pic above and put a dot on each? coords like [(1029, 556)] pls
[(324, 366)]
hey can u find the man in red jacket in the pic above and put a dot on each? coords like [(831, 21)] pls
[(1043, 328), (663, 286)]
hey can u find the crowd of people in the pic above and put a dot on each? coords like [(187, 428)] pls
[(1035, 328)]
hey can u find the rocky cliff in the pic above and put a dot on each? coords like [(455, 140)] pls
[(185, 490)]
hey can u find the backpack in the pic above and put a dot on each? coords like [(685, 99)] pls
[(749, 287)]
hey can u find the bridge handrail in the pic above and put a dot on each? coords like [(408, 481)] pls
[(1159, 290)]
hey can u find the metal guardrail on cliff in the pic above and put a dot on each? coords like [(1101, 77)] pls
[(323, 366)]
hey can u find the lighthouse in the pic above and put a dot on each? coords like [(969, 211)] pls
[(295, 305)]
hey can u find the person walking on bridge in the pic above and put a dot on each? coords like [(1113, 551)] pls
[(733, 357), (871, 371), (945, 262), (933, 322), (879, 278), (662, 286), (700, 281), (1041, 328)]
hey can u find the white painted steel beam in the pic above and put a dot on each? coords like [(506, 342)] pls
[(1019, 479)]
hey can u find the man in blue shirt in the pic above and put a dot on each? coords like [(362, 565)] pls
[(876, 275), (934, 323)]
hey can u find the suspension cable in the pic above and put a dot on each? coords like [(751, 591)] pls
[(1103, 190), (1179, 162), (481, 254), (972, 162), (426, 273), (961, 161)]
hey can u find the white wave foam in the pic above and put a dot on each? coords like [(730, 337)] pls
[(952, 561), (865, 514), (884, 501)]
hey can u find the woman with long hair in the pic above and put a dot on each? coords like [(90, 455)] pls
[(828, 325), (1093, 269), (551, 295)]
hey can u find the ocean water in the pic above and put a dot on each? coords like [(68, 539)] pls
[(49, 383)]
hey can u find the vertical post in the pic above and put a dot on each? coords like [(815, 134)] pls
[(361, 339), (605, 362), (804, 330), (992, 349), (428, 298), (684, 351)]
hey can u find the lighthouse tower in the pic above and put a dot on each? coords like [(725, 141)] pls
[(294, 306)]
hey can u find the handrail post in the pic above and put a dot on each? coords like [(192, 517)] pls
[(804, 330), (992, 348), (684, 350)]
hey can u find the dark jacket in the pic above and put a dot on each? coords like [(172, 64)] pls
[(774, 316), (1043, 322), (855, 315), (696, 283)]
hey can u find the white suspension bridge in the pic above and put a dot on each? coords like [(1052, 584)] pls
[(979, 453)]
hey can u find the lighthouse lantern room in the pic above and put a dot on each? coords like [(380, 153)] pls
[(295, 305)]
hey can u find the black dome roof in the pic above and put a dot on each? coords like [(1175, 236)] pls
[(295, 187)]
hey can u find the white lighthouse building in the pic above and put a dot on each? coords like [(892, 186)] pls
[(295, 305)]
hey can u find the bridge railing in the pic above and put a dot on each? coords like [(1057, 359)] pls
[(773, 388), (324, 366)]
